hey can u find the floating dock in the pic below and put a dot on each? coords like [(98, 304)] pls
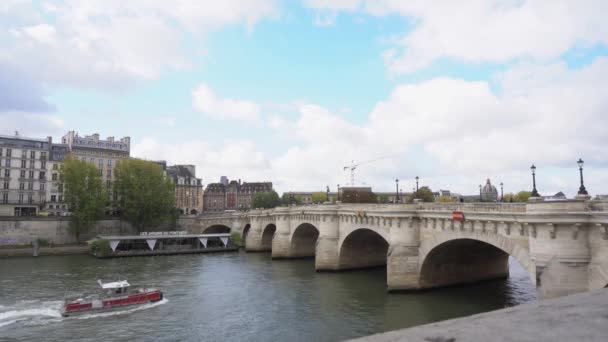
[(149, 244)]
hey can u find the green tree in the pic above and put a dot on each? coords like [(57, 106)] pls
[(519, 197), (446, 199), (265, 200), (319, 197), (144, 196), (289, 199), (424, 193), (522, 196), (84, 194), (382, 199)]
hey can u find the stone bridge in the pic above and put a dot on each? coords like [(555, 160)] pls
[(563, 245)]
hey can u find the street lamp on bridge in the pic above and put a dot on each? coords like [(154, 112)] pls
[(581, 190), (397, 190), (534, 192), (502, 197), (338, 192), (327, 193), (480, 199)]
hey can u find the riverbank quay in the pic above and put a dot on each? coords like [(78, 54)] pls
[(28, 251), (579, 317)]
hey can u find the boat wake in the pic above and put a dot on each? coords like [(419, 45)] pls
[(41, 313), (124, 312), (31, 312)]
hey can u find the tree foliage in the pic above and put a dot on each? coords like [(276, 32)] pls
[(520, 197), (319, 197), (144, 196), (446, 199), (354, 196), (289, 199), (424, 193), (84, 194), (265, 200), (382, 199)]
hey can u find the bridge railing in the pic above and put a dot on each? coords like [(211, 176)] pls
[(475, 207), (598, 205)]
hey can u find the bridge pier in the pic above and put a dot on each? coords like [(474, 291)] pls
[(280, 243), (327, 249), (254, 237), (402, 271)]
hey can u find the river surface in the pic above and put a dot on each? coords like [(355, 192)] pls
[(230, 297)]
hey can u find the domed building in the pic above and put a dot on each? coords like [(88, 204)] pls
[(489, 192)]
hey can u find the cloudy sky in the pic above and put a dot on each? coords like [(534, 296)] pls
[(291, 92)]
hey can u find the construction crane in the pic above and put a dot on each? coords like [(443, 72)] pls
[(352, 167)]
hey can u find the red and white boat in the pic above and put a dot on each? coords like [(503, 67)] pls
[(114, 295)]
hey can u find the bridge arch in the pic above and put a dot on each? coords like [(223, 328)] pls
[(217, 229), (304, 240), (267, 236), (467, 258), (363, 248)]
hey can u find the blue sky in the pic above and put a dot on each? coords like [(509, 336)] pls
[(292, 91)]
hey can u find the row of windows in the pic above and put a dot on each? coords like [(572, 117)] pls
[(6, 173), (24, 153), (100, 162), (98, 144), (30, 186), (22, 198), (56, 198), (24, 164)]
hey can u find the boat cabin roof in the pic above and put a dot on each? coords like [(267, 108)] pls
[(114, 285)]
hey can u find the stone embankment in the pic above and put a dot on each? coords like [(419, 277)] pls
[(44, 251), (579, 317)]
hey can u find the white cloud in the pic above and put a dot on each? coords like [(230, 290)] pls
[(206, 101), (456, 133), (43, 33), (33, 125), (106, 43), (235, 158), (451, 132), (484, 31)]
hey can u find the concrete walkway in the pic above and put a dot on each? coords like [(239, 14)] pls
[(580, 317)]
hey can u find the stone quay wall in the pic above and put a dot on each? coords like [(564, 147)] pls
[(16, 231)]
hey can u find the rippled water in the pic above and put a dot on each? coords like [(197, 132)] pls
[(230, 297)]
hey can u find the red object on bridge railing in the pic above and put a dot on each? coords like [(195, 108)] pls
[(458, 216)]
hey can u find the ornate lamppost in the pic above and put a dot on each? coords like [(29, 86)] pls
[(502, 197), (327, 193), (581, 190), (338, 191), (397, 191), (480, 198), (534, 192)]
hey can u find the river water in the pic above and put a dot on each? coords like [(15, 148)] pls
[(230, 297)]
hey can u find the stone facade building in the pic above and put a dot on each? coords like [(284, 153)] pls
[(232, 196), (104, 154), (54, 190), (188, 188), (23, 174)]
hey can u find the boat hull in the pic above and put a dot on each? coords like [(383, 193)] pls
[(109, 303)]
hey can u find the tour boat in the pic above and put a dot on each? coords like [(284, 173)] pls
[(114, 295)]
